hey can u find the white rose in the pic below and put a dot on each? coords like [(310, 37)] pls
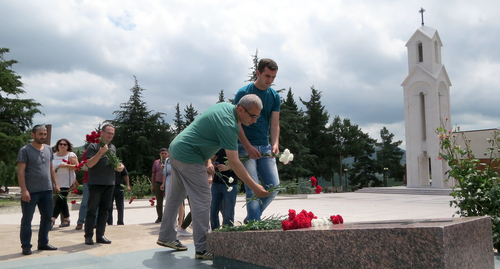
[(231, 179), (229, 189)]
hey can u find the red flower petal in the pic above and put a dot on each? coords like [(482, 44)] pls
[(75, 191), (73, 202)]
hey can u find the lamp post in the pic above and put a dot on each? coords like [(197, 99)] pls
[(345, 176), (385, 177)]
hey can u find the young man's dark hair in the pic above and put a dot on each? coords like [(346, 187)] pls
[(263, 63)]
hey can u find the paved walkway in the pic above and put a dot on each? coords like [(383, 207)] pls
[(134, 244)]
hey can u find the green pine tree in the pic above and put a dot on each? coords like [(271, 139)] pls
[(190, 115), (178, 121), (389, 156), (139, 133), (293, 137), (315, 121)]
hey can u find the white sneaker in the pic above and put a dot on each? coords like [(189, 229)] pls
[(183, 232)]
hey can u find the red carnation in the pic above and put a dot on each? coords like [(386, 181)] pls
[(75, 191), (286, 225), (73, 202), (131, 200), (314, 181), (318, 189), (153, 198), (291, 214), (335, 220), (341, 220)]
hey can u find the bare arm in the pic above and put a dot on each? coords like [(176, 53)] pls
[(25, 195), (241, 172), (251, 150), (127, 181), (210, 167), (54, 178), (275, 132), (162, 187)]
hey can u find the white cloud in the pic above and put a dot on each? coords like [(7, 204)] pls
[(81, 55)]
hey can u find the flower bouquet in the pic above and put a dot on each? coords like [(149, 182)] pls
[(95, 137), (303, 219)]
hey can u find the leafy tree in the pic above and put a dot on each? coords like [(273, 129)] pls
[(315, 120), (139, 133), (190, 115), (178, 120), (293, 137), (389, 156), (363, 172), (347, 140), (16, 117)]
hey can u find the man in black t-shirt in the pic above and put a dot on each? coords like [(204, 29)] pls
[(224, 191), (101, 182), (121, 178)]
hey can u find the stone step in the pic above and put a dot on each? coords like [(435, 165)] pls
[(406, 190)]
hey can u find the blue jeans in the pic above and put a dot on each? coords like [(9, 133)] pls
[(83, 205), (44, 201), (266, 169), (222, 198)]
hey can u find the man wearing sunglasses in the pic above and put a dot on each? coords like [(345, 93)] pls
[(254, 139)]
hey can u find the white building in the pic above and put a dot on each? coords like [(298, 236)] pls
[(427, 106)]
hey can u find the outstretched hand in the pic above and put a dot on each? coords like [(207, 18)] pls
[(260, 191)]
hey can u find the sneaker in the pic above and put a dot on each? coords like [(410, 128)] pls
[(183, 232), (204, 255), (172, 244)]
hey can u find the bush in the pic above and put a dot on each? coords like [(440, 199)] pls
[(477, 192), (140, 187)]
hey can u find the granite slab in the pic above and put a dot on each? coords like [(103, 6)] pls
[(426, 243)]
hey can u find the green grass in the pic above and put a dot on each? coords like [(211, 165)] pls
[(9, 202)]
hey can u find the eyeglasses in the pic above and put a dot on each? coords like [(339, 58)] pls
[(251, 115), (42, 156), (63, 144)]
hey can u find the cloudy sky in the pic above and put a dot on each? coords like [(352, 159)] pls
[(78, 58)]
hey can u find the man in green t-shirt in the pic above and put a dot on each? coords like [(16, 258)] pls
[(190, 154)]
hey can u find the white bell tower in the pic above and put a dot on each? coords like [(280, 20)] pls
[(427, 106)]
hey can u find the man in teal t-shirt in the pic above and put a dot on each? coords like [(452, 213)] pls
[(254, 139), (190, 154)]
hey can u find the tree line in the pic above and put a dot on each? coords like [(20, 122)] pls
[(320, 146)]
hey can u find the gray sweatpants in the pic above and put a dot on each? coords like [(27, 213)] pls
[(192, 180)]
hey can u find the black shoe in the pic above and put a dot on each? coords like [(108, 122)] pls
[(158, 221), (47, 247), (89, 241), (27, 251), (120, 223), (103, 240)]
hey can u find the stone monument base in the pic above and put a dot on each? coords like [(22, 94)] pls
[(432, 243)]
